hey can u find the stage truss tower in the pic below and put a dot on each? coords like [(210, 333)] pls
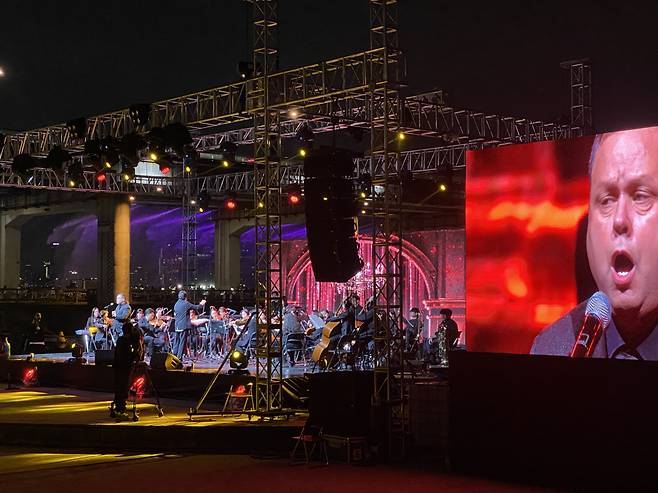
[(189, 233), (580, 79), (389, 389), (267, 208)]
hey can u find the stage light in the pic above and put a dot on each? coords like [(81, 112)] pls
[(2, 72), (158, 189), (131, 198), (363, 211), (401, 136), (325, 198), (127, 172), (188, 169), (294, 193), (225, 163), (77, 351), (246, 69), (30, 375), (231, 203), (164, 168), (442, 187), (77, 128), (238, 360), (203, 201), (140, 114), (193, 202), (364, 185), (176, 137), (153, 156), (293, 113), (101, 175), (261, 205), (302, 152), (74, 174), (294, 199)]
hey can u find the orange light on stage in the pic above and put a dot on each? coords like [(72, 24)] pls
[(30, 376), (294, 199), (230, 204), (164, 169)]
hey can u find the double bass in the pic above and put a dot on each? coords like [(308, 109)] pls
[(320, 353)]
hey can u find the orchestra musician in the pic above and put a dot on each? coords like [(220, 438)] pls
[(183, 324), (154, 337), (414, 330), (94, 320), (121, 314)]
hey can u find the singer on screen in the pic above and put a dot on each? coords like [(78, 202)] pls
[(622, 248)]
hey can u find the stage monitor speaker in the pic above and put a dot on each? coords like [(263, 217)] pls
[(104, 357), (166, 361)]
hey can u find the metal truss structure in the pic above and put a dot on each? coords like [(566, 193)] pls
[(580, 78), (189, 276), (359, 90), (262, 94), (388, 351)]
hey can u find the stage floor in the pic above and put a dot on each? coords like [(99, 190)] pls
[(200, 365), (67, 406)]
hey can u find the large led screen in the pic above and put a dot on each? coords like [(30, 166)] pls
[(547, 225)]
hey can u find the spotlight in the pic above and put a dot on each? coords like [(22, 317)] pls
[(246, 70), (294, 194), (131, 198), (203, 201), (302, 152), (231, 203), (261, 205), (188, 168), (140, 114), (158, 189), (101, 175), (165, 169), (401, 136), (127, 171), (77, 351), (364, 185), (153, 155), (30, 376), (74, 174), (293, 113), (77, 128), (238, 360), (226, 163), (443, 187)]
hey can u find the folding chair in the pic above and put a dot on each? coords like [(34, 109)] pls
[(310, 434)]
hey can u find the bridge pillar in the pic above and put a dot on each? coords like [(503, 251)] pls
[(227, 251), (10, 251), (113, 212)]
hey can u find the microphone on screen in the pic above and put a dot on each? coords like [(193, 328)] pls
[(597, 319)]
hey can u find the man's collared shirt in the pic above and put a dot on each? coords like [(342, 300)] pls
[(617, 348)]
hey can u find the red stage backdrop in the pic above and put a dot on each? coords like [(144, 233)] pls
[(524, 207)]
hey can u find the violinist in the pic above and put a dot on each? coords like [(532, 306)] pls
[(154, 340)]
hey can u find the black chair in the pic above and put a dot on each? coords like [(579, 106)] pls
[(294, 345)]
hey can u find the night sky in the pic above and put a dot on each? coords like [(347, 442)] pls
[(69, 58)]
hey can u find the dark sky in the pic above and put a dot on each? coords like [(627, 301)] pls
[(69, 58)]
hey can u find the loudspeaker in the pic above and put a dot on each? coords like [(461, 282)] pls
[(104, 357), (166, 361), (331, 228)]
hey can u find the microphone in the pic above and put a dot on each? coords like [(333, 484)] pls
[(107, 307), (597, 319)]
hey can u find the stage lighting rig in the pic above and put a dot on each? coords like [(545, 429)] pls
[(177, 137), (305, 137), (231, 202), (23, 164), (203, 202), (57, 157), (74, 174), (294, 193), (101, 175), (77, 128), (130, 146), (140, 114), (127, 170), (238, 360), (364, 186)]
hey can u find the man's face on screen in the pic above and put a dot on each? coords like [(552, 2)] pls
[(622, 233)]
